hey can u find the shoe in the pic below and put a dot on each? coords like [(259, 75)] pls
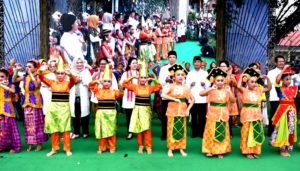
[(74, 136), (129, 136), (85, 136)]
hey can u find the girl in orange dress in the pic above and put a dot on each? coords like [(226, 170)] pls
[(140, 121), (252, 133), (58, 116), (216, 138), (178, 93)]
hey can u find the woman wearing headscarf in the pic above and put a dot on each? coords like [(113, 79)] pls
[(93, 39), (79, 98)]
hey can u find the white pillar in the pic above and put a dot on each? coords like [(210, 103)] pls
[(112, 6), (117, 5), (183, 10)]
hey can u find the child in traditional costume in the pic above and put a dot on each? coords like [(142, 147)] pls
[(106, 115), (285, 119), (177, 110), (140, 122), (9, 133), (58, 116), (147, 49), (252, 132), (158, 40), (216, 138), (33, 106)]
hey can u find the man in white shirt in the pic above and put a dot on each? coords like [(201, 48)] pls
[(196, 81), (165, 79), (274, 100)]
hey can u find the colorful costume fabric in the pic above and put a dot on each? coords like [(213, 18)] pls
[(216, 138), (141, 115), (284, 120), (33, 113), (9, 133), (252, 133), (176, 126), (147, 49), (106, 116), (58, 116)]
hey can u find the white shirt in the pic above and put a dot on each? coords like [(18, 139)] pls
[(163, 74), (197, 77), (272, 74), (72, 46), (126, 104), (84, 93)]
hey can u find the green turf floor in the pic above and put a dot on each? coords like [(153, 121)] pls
[(85, 157)]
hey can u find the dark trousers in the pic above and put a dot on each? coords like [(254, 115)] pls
[(128, 113), (164, 107), (198, 112), (273, 107), (79, 121), (19, 109)]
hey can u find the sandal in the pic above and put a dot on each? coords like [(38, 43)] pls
[(74, 136)]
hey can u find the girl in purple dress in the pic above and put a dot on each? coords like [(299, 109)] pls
[(33, 107), (9, 133)]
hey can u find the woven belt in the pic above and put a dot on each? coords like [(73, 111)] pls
[(106, 104), (142, 101), (60, 97)]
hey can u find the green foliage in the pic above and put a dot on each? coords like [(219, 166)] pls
[(192, 16)]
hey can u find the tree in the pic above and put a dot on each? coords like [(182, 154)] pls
[(147, 7), (44, 29), (287, 18), (220, 30)]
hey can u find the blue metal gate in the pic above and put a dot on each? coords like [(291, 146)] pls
[(21, 30), (247, 36)]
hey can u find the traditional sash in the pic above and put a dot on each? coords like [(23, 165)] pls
[(218, 104), (220, 131), (255, 134), (284, 105), (60, 97), (142, 101), (182, 100), (251, 105), (106, 104), (129, 92), (178, 129)]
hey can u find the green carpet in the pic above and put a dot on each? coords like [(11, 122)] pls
[(85, 157), (186, 52)]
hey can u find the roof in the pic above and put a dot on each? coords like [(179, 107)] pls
[(292, 39)]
